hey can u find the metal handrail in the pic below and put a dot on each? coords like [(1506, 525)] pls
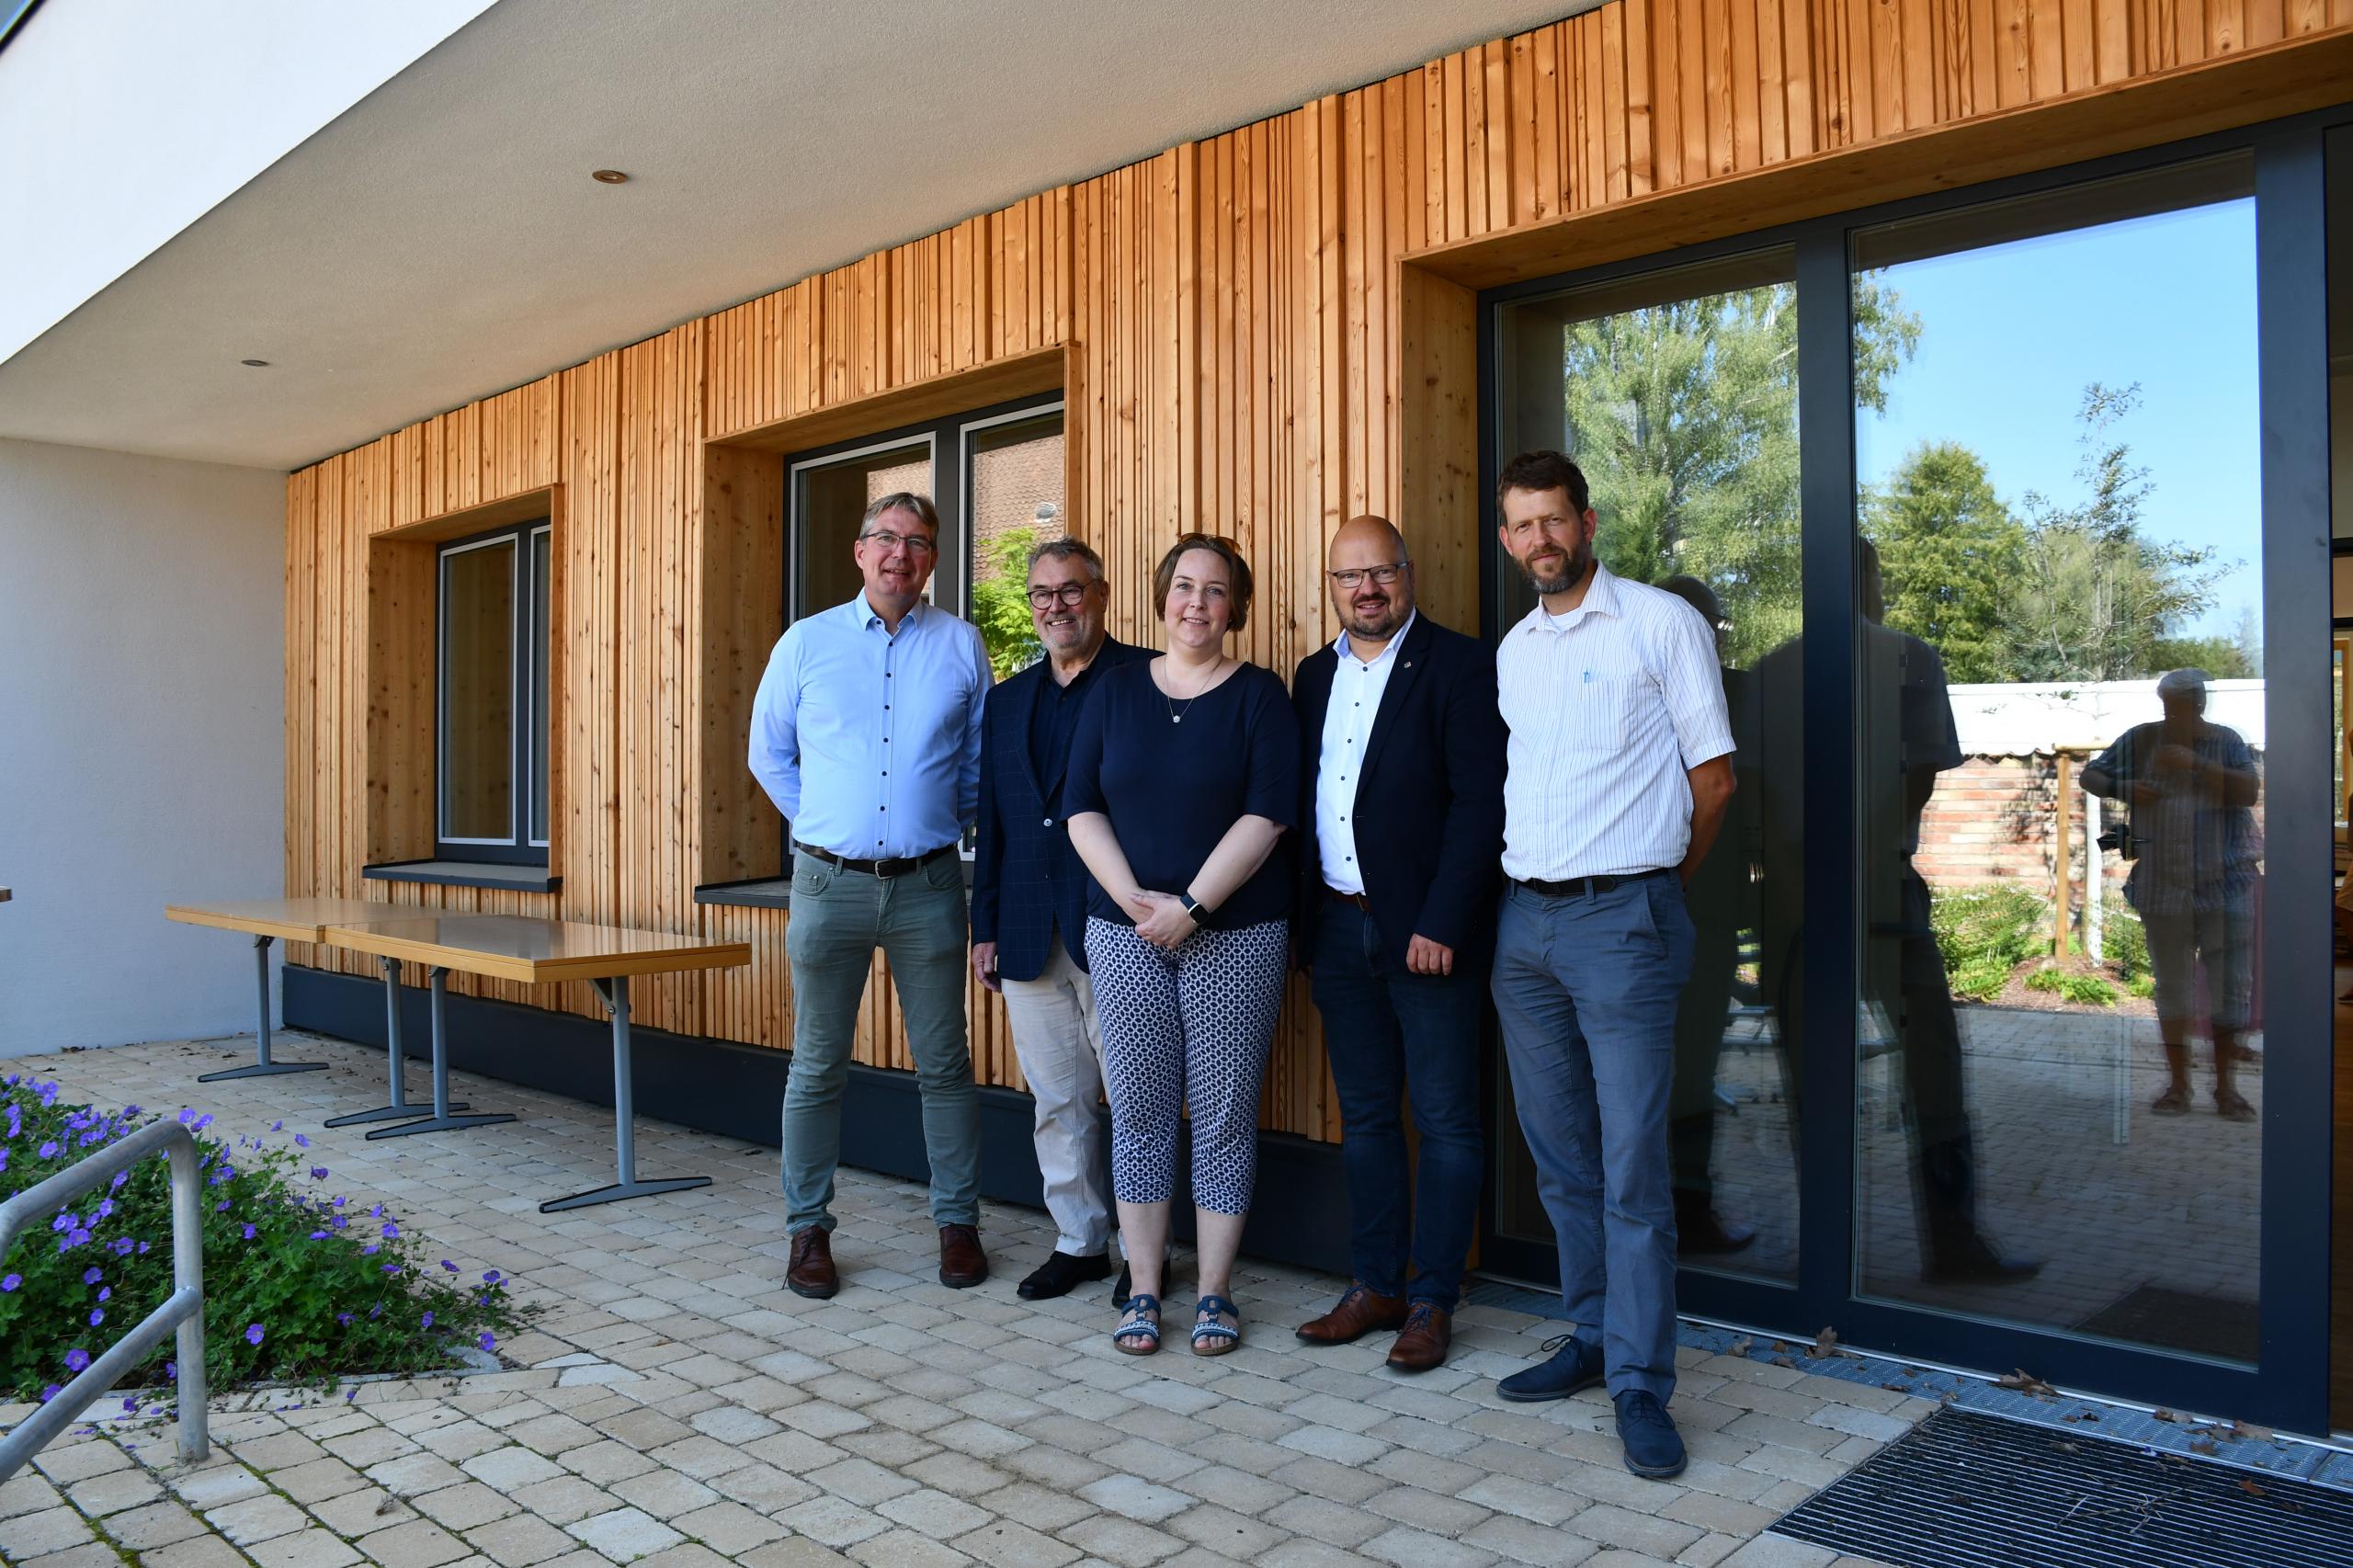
[(184, 1308)]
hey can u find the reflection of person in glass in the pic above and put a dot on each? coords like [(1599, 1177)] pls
[(1908, 737), (2190, 788), (1721, 894)]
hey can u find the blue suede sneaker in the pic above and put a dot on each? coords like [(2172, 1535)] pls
[(1653, 1448), (1575, 1365)]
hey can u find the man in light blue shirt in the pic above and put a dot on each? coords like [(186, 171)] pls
[(866, 734)]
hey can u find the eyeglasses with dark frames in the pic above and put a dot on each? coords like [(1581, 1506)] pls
[(1066, 594), (1382, 577), (916, 543)]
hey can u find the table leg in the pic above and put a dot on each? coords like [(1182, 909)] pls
[(441, 1120), (399, 1109), (263, 1066), (615, 994)]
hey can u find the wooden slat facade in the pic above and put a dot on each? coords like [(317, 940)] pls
[(1239, 348)]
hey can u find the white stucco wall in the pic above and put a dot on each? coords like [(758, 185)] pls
[(142, 739), (124, 122)]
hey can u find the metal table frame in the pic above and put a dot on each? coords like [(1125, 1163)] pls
[(441, 1120), (399, 1109), (614, 994), (262, 1067)]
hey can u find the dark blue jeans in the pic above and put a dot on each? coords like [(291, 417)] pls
[(1390, 1034), (1585, 988)]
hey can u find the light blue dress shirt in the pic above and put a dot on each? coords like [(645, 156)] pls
[(869, 743)]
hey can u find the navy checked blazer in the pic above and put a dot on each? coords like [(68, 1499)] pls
[(1027, 880)]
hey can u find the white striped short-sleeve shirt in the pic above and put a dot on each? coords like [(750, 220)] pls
[(1609, 708)]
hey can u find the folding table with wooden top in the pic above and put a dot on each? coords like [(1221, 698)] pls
[(303, 920), (267, 920), (538, 953)]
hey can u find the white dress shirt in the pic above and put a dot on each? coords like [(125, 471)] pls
[(1610, 707), (1356, 687)]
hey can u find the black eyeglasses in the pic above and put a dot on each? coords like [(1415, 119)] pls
[(916, 544), (1068, 594), (1349, 576)]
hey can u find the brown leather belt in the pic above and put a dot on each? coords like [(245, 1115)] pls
[(898, 867), (1336, 896), (1587, 887)]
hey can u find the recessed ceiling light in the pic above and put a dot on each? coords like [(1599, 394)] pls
[(609, 177), (256, 364)]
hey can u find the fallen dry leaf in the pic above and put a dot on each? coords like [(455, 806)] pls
[(2162, 1414), (2202, 1446), (1740, 1347), (2024, 1381), (1825, 1344), (2250, 1488), (2250, 1431)]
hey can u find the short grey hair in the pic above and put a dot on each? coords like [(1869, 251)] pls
[(903, 501), (1066, 549)]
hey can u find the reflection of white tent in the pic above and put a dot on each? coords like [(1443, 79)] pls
[(2022, 719)]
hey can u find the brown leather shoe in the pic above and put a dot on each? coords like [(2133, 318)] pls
[(962, 1263), (1422, 1343), (810, 1272), (1358, 1313)]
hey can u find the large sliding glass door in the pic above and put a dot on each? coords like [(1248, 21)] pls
[(2006, 1043)]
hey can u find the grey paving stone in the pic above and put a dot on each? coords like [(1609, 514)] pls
[(55, 1530), (255, 1519), (624, 1535)]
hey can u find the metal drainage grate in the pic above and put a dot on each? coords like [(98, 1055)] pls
[(1965, 1489)]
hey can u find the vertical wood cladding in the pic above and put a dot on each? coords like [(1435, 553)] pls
[(1241, 343)]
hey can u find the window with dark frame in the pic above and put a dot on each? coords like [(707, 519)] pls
[(491, 609)]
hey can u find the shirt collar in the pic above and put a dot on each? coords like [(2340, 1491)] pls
[(1600, 598), (864, 610), (1340, 644)]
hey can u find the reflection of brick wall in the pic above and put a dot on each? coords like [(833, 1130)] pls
[(1009, 482), (1995, 819)]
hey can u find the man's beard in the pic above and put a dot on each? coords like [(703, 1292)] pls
[(1378, 622), (1579, 562)]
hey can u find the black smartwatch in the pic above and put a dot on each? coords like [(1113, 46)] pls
[(1195, 909)]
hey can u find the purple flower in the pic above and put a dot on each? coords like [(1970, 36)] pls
[(277, 1126), (106, 1208), (343, 1318), (75, 1359), (318, 1235), (318, 1173), (106, 1292), (448, 1265), (11, 1281), (490, 1276), (392, 1231), (301, 1142), (123, 1245), (120, 1177), (171, 1369), (253, 1333), (202, 1122), (249, 1232), (370, 1247), (392, 1268), (131, 1407), (142, 1249), (186, 1116), (131, 1110), (350, 1394), (429, 1320), (65, 1220), (487, 1341), (48, 1150), (377, 1213), (375, 1312), (98, 1317), (221, 1207), (52, 1392), (92, 1275), (76, 1237)]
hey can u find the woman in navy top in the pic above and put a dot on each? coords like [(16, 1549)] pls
[(1183, 776)]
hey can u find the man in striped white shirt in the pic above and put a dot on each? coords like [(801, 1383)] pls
[(1619, 770)]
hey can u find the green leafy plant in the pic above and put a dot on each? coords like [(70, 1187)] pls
[(1984, 931), (2144, 987), (301, 1283), (2126, 944), (1001, 602), (2087, 989)]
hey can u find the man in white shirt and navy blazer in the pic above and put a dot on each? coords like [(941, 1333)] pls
[(1404, 812), (1619, 771)]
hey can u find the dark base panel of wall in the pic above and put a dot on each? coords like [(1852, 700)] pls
[(1300, 1215)]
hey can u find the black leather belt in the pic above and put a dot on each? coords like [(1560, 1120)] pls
[(1336, 896), (1588, 887), (886, 869)]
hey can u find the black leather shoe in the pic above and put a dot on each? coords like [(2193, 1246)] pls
[(1062, 1273)]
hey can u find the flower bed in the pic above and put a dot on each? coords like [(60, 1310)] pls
[(301, 1283)]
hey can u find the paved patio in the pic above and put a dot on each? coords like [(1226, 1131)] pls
[(674, 1406)]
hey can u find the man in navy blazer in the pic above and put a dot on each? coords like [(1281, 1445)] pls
[(1398, 874), (1029, 904)]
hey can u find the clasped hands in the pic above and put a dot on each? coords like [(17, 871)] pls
[(1160, 918)]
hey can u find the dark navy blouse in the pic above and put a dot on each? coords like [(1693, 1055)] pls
[(1172, 788)]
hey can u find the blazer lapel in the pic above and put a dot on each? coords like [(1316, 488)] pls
[(1412, 657), (1025, 711)]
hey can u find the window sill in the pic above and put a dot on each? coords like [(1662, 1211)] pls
[(464, 874), (759, 893)]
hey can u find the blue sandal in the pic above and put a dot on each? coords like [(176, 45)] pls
[(1212, 1337), (1142, 1322)]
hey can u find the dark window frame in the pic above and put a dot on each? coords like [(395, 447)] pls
[(530, 740), (2289, 1387)]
